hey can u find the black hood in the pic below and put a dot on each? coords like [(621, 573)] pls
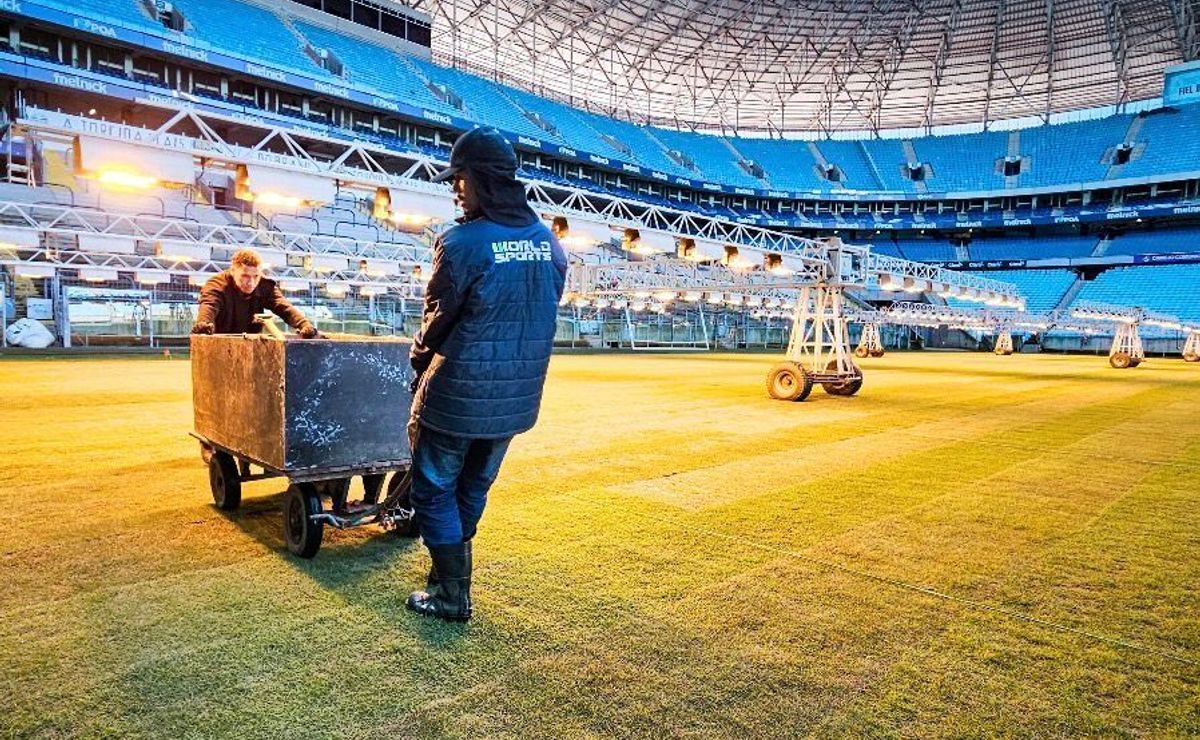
[(488, 161)]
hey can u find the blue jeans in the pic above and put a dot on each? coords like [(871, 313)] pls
[(450, 481)]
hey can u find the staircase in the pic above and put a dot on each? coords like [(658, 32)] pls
[(910, 156), (1014, 150), (871, 163), (739, 157), (1131, 134), (1069, 296), (1101, 248)]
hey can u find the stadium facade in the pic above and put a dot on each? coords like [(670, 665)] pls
[(1082, 182)]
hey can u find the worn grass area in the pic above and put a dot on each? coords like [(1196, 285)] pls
[(974, 546)]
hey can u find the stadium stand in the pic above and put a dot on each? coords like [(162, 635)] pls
[(1183, 239), (375, 66), (859, 170), (714, 157), (1043, 289), (1171, 139), (1169, 289), (249, 30), (1031, 248), (788, 162), (927, 250), (966, 162), (1069, 152)]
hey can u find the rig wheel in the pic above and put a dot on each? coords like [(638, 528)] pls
[(1191, 357), (1120, 360), (861, 351), (787, 381)]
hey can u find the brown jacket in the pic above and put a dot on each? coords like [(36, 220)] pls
[(232, 312)]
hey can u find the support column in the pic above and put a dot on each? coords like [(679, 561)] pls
[(1191, 348), (1126, 350), (1004, 343)]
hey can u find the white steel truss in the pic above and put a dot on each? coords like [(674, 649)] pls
[(820, 65)]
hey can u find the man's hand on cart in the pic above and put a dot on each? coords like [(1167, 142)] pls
[(203, 327), (308, 331)]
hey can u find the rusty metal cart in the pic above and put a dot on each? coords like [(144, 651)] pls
[(317, 412)]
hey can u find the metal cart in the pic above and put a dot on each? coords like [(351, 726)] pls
[(317, 412)]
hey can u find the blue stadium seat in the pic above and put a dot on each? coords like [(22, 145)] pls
[(375, 66), (1070, 152), (788, 163), (1184, 239), (1173, 289), (858, 169), (963, 163), (1042, 289), (1172, 143), (1031, 248), (713, 157), (249, 30)]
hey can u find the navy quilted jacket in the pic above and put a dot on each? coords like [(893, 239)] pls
[(490, 312)]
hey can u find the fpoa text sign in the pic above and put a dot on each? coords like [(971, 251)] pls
[(1181, 84)]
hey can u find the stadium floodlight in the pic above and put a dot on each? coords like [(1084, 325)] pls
[(637, 305), (580, 235), (182, 251), (915, 285), (716, 299), (580, 302), (601, 303), (372, 290), (336, 290), (125, 166), (35, 270), (276, 188), (664, 295), (700, 250), (890, 282), (648, 241), (776, 265), (409, 208), (98, 274), (198, 279), (740, 258), (693, 296)]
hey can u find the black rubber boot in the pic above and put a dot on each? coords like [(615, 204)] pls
[(449, 597)]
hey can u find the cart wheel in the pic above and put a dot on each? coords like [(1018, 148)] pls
[(224, 480), (1135, 361), (300, 531), (877, 353), (1119, 360), (402, 483), (1191, 357), (861, 351), (787, 381)]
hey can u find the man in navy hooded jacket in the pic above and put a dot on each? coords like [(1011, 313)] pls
[(480, 357)]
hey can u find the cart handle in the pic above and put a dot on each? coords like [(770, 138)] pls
[(267, 319)]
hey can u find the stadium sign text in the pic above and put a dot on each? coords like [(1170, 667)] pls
[(183, 50), (531, 143), (434, 116), (91, 26), (261, 71), (11, 6)]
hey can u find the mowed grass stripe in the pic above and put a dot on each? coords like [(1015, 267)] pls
[(605, 613)]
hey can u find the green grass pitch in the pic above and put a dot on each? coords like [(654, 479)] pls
[(974, 546)]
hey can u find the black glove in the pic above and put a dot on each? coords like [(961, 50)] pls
[(203, 327), (307, 331)]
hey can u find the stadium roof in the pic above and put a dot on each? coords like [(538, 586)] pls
[(821, 65)]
